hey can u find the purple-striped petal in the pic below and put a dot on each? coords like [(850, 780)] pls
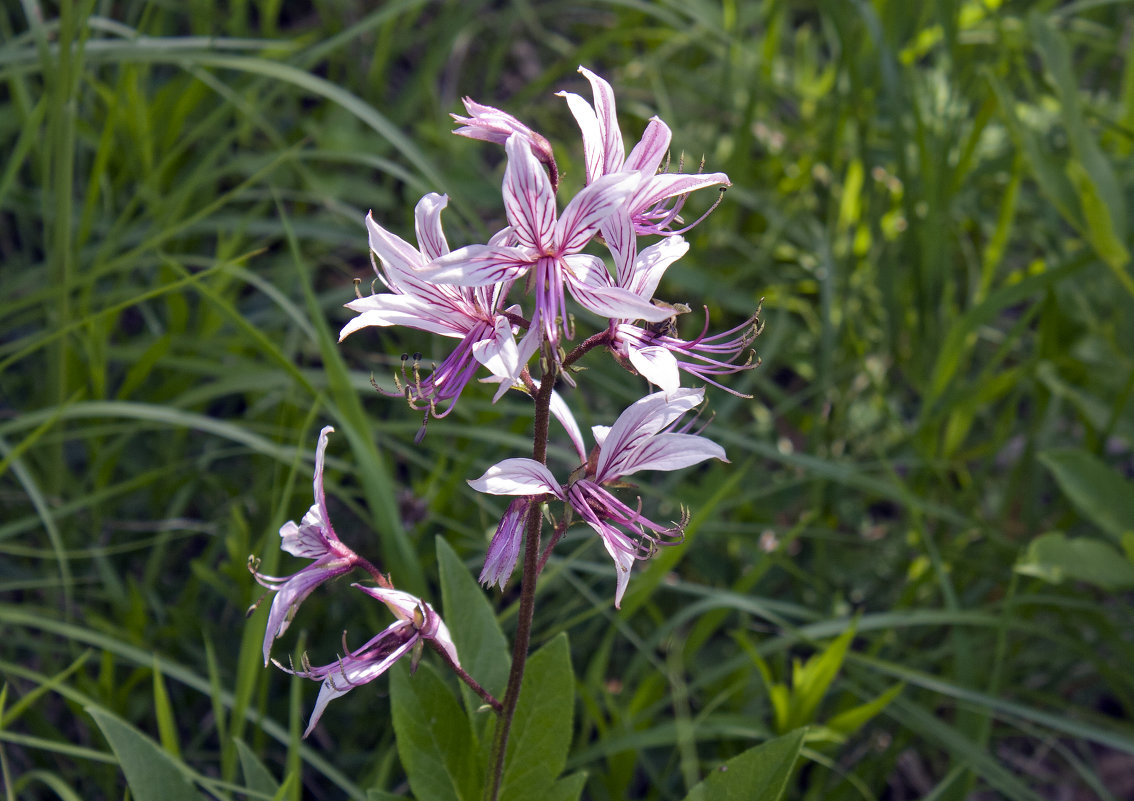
[(651, 264), (427, 222), (671, 452), (385, 310), (641, 420), (657, 365), (667, 185), (647, 155), (529, 200), (581, 219), (479, 265), (593, 148), (614, 152), (500, 561)]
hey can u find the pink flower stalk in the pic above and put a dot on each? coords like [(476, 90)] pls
[(490, 124), (642, 438), (416, 623), (313, 538), (653, 350), (549, 247), (656, 203), (470, 314)]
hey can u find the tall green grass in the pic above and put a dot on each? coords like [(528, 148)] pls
[(933, 202)]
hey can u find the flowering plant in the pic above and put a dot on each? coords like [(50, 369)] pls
[(474, 294)]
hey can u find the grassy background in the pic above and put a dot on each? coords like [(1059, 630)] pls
[(933, 202)]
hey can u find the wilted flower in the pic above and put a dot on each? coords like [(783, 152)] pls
[(642, 438), (417, 622), (313, 538), (658, 199), (493, 125), (470, 314)]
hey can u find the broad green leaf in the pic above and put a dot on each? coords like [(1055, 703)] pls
[(1097, 491), (256, 775), (468, 614), (569, 788), (151, 773), (759, 773), (435, 739), (1055, 558), (541, 729)]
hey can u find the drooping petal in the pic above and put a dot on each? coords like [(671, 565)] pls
[(671, 452), (500, 354), (580, 221), (402, 604), (421, 615), (562, 413), (343, 678), (427, 222), (500, 561), (529, 200), (657, 365), (517, 476)]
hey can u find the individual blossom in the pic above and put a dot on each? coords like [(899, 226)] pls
[(313, 538), (644, 437), (548, 247), (653, 349), (416, 624), (471, 314), (490, 124), (656, 204)]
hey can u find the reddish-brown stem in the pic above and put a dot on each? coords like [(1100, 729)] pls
[(473, 684), (527, 593)]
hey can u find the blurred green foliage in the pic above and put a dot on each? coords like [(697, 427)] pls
[(933, 201)]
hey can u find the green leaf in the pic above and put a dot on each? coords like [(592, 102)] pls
[(569, 788), (811, 682), (435, 739), (151, 773), (163, 711), (848, 722), (471, 620), (759, 773), (541, 729), (257, 777), (1097, 491), (1054, 558)]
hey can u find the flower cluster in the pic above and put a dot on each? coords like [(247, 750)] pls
[(504, 301)]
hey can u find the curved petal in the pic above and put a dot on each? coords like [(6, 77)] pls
[(517, 476), (402, 604), (397, 255), (618, 231), (499, 354), (667, 185), (614, 152), (593, 148), (651, 264), (642, 419), (562, 413), (612, 301), (671, 452), (427, 222), (479, 265), (657, 365), (581, 219), (385, 310), (529, 200), (647, 155)]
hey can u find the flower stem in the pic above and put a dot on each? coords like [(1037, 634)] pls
[(527, 593), (473, 684)]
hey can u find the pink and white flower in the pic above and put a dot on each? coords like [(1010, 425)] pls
[(657, 201), (642, 438), (470, 314), (549, 248), (416, 623), (490, 124), (313, 538)]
